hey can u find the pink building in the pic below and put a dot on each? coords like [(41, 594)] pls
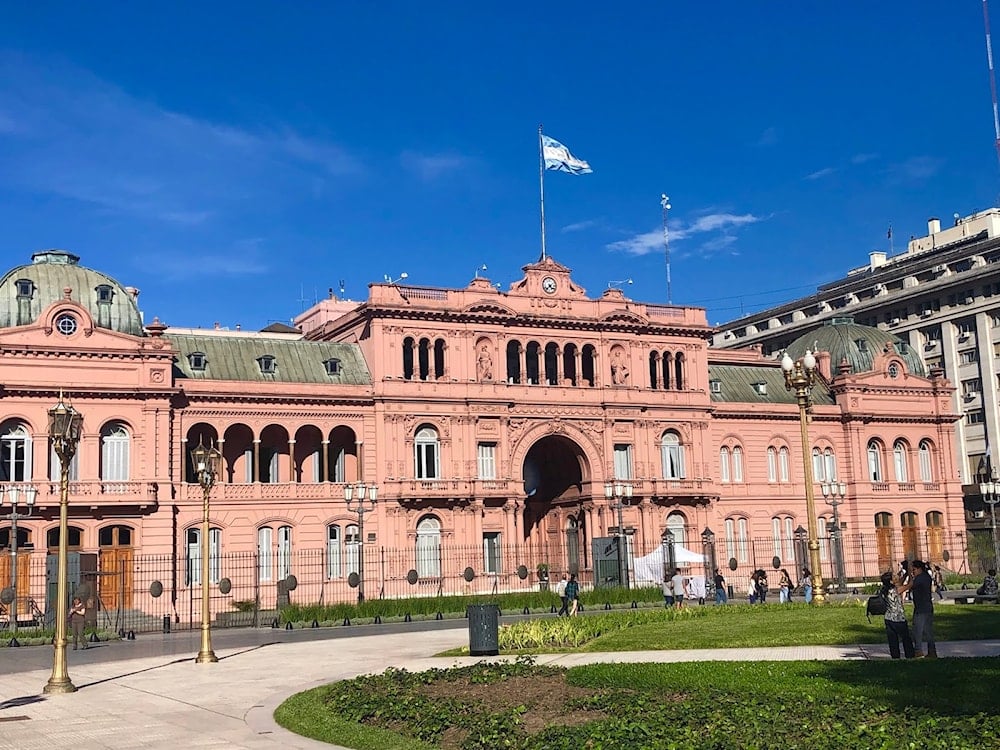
[(488, 421)]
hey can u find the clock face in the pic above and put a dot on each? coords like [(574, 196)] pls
[(548, 285)]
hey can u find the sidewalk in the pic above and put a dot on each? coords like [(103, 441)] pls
[(167, 702)]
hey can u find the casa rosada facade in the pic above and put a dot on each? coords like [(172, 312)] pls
[(488, 421)]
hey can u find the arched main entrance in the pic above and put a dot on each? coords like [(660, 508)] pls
[(555, 472)]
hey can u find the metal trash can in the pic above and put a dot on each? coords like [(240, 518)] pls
[(484, 629)]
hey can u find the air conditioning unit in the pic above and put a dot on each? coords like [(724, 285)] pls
[(979, 514), (926, 313), (971, 395), (940, 268), (894, 322)]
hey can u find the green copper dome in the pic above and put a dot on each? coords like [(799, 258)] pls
[(26, 291), (859, 345)]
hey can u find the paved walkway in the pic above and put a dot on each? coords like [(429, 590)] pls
[(166, 702)]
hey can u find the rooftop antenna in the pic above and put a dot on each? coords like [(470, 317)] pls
[(619, 284), (665, 205), (341, 287), (302, 296), (390, 280), (480, 268), (993, 79)]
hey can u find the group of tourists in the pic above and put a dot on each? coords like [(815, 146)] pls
[(757, 586), (568, 591)]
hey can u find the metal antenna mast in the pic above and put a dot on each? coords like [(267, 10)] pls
[(993, 79), (665, 204)]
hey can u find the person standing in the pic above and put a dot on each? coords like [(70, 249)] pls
[(938, 582), (561, 593), (920, 586), (784, 587), (77, 620), (762, 586), (807, 584), (720, 588), (896, 629), (678, 584), (668, 593), (573, 594)]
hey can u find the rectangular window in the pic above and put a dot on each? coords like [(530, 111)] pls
[(13, 457), (724, 467), (427, 461), (214, 555), (972, 387), (672, 456), (741, 541), (623, 462), (333, 552), (789, 540), (966, 328), (783, 464), (491, 552), (284, 551), (487, 460), (193, 577), (968, 357), (353, 541), (737, 464), (831, 465), (776, 536), (772, 465), (976, 416)]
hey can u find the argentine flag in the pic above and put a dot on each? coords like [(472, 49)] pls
[(558, 157)]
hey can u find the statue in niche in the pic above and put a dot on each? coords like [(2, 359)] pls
[(485, 363), (619, 370)]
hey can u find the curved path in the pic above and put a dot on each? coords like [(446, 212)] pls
[(150, 694)]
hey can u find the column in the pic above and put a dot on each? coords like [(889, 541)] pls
[(324, 460), (256, 461), (291, 461), (359, 450), (579, 371)]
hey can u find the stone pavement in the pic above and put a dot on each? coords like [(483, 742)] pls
[(167, 702)]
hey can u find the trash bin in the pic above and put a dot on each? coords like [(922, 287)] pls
[(484, 629)]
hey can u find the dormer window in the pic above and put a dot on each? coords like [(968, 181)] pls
[(760, 388), (268, 364), (862, 345), (332, 366), (104, 293), (197, 360), (25, 288), (715, 386)]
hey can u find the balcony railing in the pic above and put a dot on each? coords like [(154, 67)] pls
[(111, 492)]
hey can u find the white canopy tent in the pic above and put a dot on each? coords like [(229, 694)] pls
[(649, 569)]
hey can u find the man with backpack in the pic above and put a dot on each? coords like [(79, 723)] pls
[(561, 593)]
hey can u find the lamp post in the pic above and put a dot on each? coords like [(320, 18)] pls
[(207, 463), (355, 496), (669, 554), (834, 493), (65, 426), (617, 493), (991, 494), (800, 376), (14, 493), (708, 550)]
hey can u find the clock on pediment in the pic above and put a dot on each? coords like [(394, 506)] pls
[(549, 285)]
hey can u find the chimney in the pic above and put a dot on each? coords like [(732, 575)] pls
[(132, 292), (933, 225), (876, 258)]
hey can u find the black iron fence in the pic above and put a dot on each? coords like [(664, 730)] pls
[(142, 593)]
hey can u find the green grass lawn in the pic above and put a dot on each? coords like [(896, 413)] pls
[(745, 626), (843, 705)]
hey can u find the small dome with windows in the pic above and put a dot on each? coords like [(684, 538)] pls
[(859, 345), (26, 291)]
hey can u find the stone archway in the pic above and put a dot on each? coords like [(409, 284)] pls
[(556, 472)]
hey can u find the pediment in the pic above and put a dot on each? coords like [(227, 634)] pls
[(490, 307), (624, 316)]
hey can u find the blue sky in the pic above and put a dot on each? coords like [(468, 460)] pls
[(236, 160)]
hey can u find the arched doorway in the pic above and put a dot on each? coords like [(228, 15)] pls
[(554, 471)]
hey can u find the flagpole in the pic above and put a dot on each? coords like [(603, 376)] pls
[(541, 188), (665, 204)]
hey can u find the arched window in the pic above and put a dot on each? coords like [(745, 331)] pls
[(74, 538), (193, 573), (819, 472), (672, 456), (830, 460), (875, 473), (654, 370), (587, 363), (679, 371), (334, 552), (789, 539), (15, 453), (737, 464), (265, 566), (552, 363), (513, 362), (531, 369), (783, 464), (772, 464), (115, 442), (677, 524), (439, 348), (667, 361), (926, 465), (569, 364), (724, 469), (424, 358), (429, 547), (284, 551), (899, 461), (408, 358), (352, 543), (426, 459), (742, 539)]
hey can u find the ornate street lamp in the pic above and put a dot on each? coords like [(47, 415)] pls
[(355, 496), (991, 495), (14, 492), (669, 554), (617, 493), (708, 551), (834, 493), (800, 377), (207, 463), (65, 427)]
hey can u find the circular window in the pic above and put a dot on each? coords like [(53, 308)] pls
[(893, 370), (66, 324)]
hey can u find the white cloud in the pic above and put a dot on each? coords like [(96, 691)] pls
[(429, 167), (821, 173), (916, 169), (82, 138), (722, 222), (582, 225), (863, 158)]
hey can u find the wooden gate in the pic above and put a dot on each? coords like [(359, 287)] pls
[(115, 581), (23, 591)]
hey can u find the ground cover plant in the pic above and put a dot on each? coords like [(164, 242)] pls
[(733, 626), (843, 705)]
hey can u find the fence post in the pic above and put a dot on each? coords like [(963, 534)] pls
[(256, 590)]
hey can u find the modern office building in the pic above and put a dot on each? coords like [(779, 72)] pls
[(942, 297), (493, 431)]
